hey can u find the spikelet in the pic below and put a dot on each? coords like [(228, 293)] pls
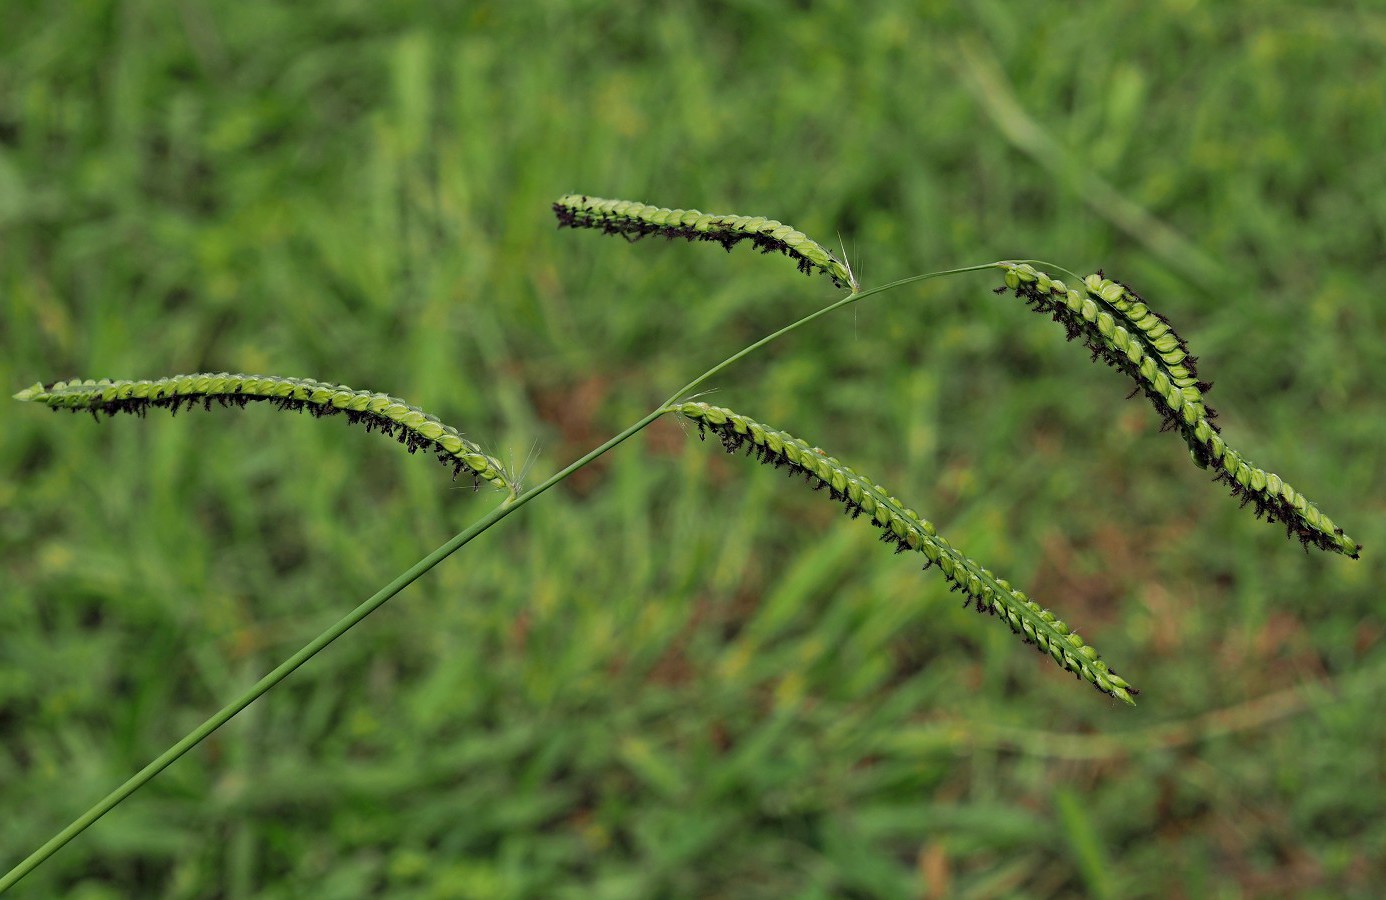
[(413, 427), (1121, 330), (636, 220), (904, 528)]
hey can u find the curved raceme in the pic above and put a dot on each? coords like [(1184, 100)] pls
[(904, 528), (636, 220), (414, 428), (1119, 328)]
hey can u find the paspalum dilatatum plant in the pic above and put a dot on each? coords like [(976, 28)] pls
[(1116, 324)]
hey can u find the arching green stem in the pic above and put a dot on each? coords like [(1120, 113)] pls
[(849, 299), (403, 580)]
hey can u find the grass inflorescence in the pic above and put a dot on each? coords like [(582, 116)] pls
[(1115, 323), (634, 220), (1122, 331), (413, 427), (906, 530)]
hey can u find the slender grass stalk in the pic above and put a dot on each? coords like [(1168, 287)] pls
[(403, 580), (309, 650)]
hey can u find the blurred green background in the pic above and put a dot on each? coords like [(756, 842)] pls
[(680, 674)]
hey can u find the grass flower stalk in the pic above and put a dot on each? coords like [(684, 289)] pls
[(1115, 323)]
